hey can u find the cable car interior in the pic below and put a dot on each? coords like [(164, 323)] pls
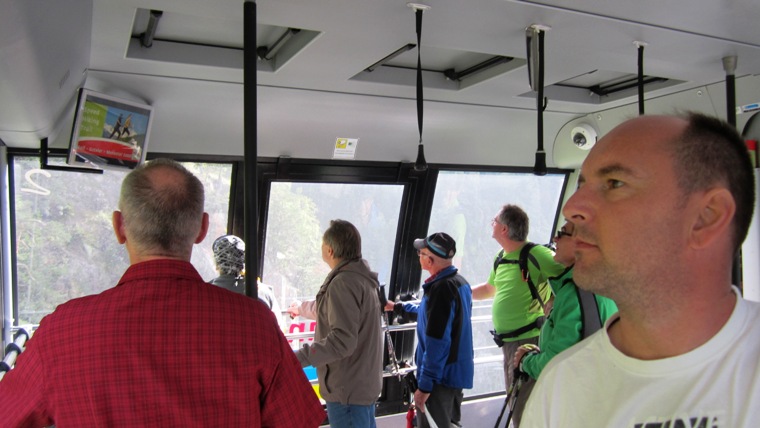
[(403, 118)]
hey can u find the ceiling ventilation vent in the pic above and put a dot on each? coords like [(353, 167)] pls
[(446, 69), (175, 39), (599, 87), (276, 53)]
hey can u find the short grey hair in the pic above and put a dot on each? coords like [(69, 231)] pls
[(163, 217), (344, 239), (516, 220)]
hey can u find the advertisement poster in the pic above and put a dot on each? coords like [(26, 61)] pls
[(109, 132)]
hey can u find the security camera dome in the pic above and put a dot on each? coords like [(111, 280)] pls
[(579, 139), (584, 136)]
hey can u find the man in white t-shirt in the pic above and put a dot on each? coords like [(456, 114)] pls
[(664, 203)]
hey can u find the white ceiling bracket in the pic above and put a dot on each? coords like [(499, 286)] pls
[(418, 6), (639, 44), (539, 27)]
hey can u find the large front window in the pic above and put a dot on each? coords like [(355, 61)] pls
[(464, 205), (298, 215), (65, 245)]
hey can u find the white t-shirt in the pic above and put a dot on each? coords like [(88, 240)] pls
[(593, 385)]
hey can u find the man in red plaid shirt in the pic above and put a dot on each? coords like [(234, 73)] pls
[(163, 347)]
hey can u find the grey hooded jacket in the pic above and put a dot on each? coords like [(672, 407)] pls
[(348, 342)]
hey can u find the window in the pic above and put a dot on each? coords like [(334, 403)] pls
[(65, 246), (463, 206), (298, 215)]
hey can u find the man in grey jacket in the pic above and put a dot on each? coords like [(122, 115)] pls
[(348, 346)]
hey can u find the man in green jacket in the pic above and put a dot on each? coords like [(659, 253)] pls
[(564, 326)]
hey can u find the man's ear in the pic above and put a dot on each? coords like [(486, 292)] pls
[(204, 229), (716, 213), (118, 227)]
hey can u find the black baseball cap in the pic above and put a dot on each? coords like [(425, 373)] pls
[(440, 244)]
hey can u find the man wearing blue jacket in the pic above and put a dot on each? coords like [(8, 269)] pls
[(444, 355)]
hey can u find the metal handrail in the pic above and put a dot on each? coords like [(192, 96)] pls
[(389, 328), (401, 371), (13, 349)]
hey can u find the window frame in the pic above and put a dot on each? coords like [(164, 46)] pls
[(415, 210), (416, 207), (13, 153), (483, 276)]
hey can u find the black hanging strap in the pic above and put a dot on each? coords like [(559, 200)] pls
[(539, 168), (418, 14), (540, 101), (640, 47)]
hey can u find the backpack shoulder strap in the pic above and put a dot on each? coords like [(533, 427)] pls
[(499, 260), (525, 257), (523, 260), (590, 318)]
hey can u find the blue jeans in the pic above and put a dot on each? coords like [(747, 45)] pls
[(351, 416)]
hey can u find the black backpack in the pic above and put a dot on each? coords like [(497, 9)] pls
[(590, 318), (522, 261)]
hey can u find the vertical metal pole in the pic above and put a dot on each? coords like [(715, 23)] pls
[(729, 65), (5, 248), (640, 49), (250, 185)]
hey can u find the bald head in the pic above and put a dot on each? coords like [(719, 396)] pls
[(662, 128), (657, 189), (161, 204), (705, 152)]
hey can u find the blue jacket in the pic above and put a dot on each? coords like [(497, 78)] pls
[(444, 332)]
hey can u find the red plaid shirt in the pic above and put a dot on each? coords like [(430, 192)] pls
[(161, 349)]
